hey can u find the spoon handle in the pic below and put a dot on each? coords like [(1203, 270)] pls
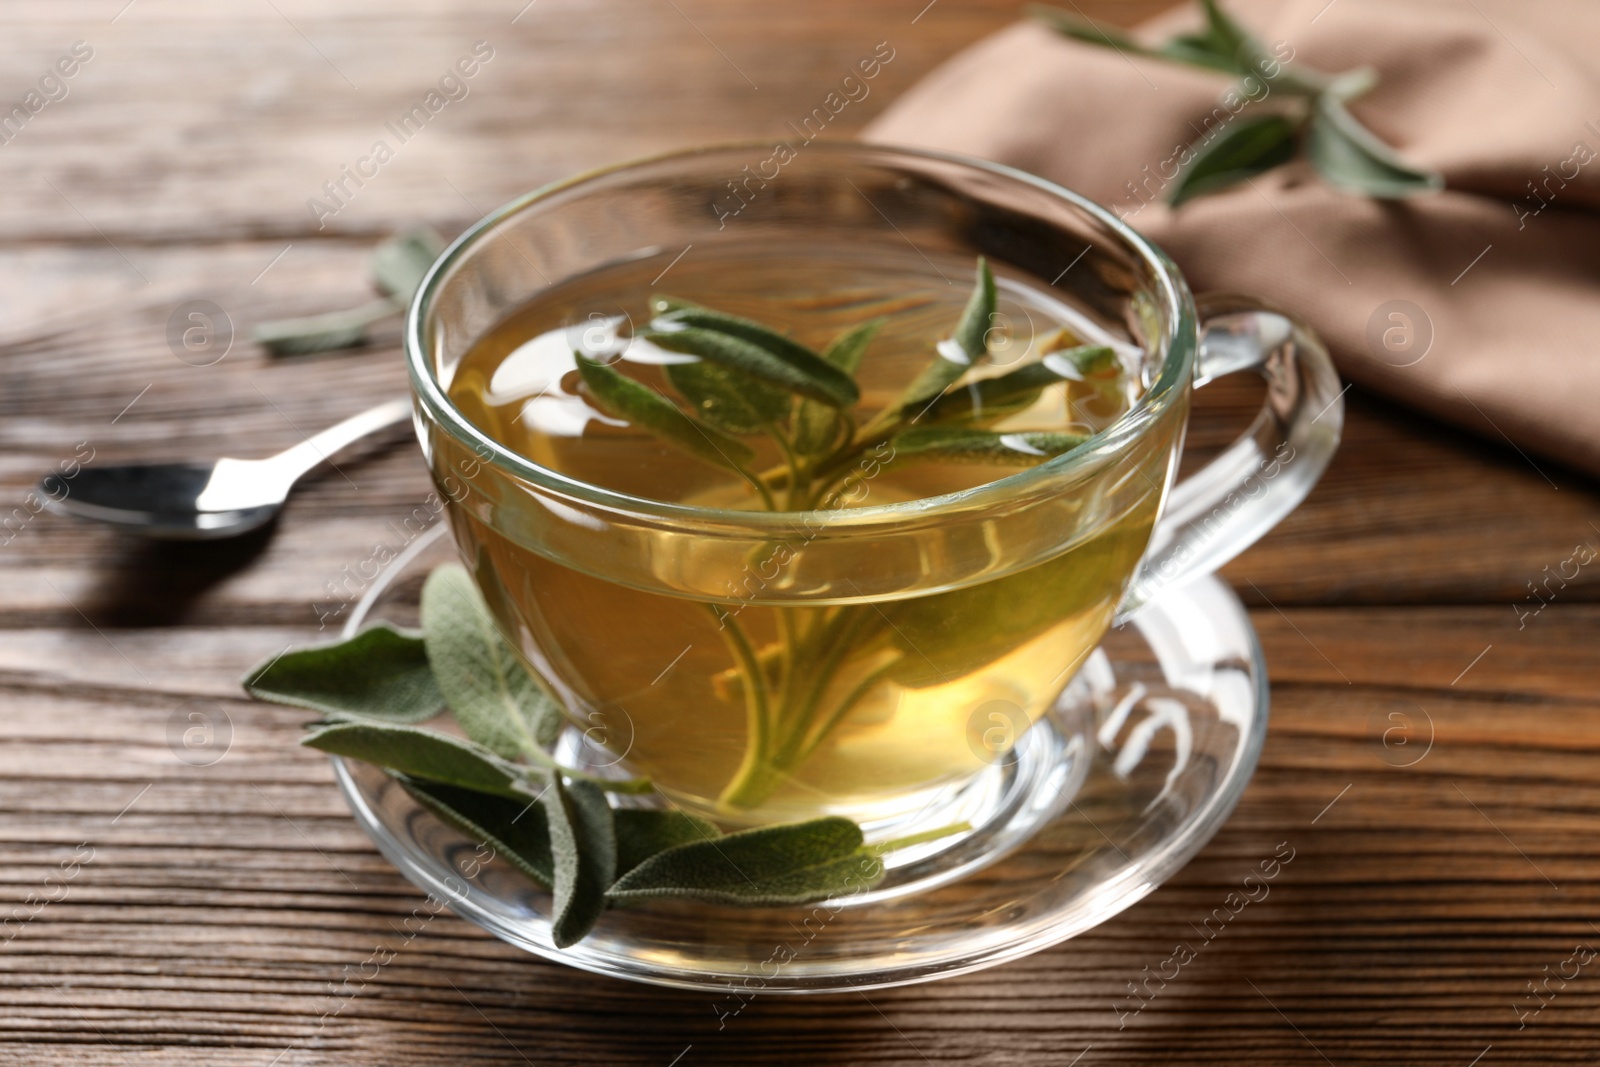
[(318, 447)]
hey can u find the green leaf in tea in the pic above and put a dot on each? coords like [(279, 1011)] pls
[(817, 426), (423, 754), (1347, 154), (732, 402), (966, 346), (583, 845), (670, 311), (620, 396), (643, 832), (789, 864), (1243, 149), (954, 445), (515, 829), (989, 399), (801, 372), (399, 263), (380, 673), (494, 698)]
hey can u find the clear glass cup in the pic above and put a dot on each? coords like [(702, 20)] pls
[(1001, 591)]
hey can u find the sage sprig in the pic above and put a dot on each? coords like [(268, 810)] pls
[(1313, 117), (749, 378), (397, 267), (500, 784)]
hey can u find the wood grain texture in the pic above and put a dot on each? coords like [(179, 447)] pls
[(217, 912)]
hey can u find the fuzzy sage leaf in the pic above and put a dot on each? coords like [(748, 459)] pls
[(816, 426), (788, 864), (423, 754), (515, 829), (801, 372), (380, 673), (321, 333), (583, 847), (494, 698), (622, 397), (732, 402)]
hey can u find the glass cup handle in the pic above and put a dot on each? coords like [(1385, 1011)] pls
[(1225, 507)]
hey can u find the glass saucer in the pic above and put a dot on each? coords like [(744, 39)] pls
[(1143, 758)]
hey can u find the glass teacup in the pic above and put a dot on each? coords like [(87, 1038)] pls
[(880, 661)]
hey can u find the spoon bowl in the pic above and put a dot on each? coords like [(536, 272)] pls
[(205, 501)]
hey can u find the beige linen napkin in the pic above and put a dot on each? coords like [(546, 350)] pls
[(1480, 304)]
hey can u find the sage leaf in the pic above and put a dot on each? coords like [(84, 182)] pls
[(1201, 50), (961, 631), (671, 311), (1243, 148), (1350, 156), (422, 754), (1229, 38), (816, 426), (380, 673), (989, 399), (643, 832), (515, 829), (399, 263), (789, 864), (622, 397), (322, 333), (496, 700), (801, 372), (960, 353), (583, 847), (940, 445), (728, 400)]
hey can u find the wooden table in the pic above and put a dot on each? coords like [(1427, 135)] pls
[(213, 910)]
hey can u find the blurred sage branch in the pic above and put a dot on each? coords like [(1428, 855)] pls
[(1316, 119), (397, 266)]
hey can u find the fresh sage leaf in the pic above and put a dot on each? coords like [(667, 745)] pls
[(816, 426), (801, 372), (940, 445), (380, 673), (960, 353), (399, 263), (422, 754), (732, 402), (583, 846), (643, 832), (1201, 50), (321, 333), (496, 700), (671, 311), (1348, 155), (788, 864), (1243, 149), (622, 397), (992, 398), (515, 829)]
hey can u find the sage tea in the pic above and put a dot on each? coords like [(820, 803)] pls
[(824, 381)]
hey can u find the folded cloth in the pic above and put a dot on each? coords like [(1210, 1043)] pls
[(1479, 304)]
